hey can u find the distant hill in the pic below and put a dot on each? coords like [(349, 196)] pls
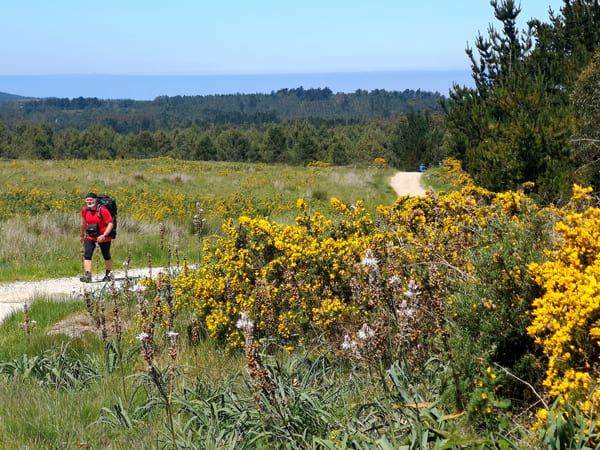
[(5, 97), (134, 116)]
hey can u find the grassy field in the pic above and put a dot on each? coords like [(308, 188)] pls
[(158, 199)]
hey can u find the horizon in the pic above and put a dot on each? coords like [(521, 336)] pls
[(148, 87)]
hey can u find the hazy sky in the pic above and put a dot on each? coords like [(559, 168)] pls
[(199, 37)]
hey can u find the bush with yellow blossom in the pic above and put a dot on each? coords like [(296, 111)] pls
[(567, 316), (462, 276)]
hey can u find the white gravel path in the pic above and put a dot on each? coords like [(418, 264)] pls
[(407, 183), (13, 296)]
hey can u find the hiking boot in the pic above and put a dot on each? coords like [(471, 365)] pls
[(87, 278), (107, 276)]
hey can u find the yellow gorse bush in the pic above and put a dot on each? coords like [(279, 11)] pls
[(567, 317), (311, 278), (326, 277)]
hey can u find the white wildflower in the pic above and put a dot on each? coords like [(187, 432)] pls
[(139, 289), (348, 343), (244, 323), (395, 281), (369, 259), (366, 332), (142, 336), (413, 289), (172, 335)]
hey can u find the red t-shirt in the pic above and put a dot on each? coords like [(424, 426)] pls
[(93, 217)]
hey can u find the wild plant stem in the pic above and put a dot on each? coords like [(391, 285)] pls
[(122, 369), (171, 426)]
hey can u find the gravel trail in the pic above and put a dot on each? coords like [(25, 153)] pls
[(13, 296), (407, 183)]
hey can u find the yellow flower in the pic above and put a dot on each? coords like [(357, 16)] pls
[(543, 414)]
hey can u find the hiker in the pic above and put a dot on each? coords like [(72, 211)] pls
[(96, 225), (422, 168)]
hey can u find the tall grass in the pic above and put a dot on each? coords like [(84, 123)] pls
[(43, 406)]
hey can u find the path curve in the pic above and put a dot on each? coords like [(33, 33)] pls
[(407, 183), (13, 296)]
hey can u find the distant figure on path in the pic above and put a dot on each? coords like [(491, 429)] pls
[(422, 168)]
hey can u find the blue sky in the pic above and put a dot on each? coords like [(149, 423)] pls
[(200, 37)]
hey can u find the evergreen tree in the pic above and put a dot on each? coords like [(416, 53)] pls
[(586, 142), (417, 139), (276, 144), (205, 148), (233, 145), (305, 147), (516, 126)]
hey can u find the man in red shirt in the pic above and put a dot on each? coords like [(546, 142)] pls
[(96, 225)]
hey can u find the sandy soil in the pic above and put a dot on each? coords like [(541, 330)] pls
[(407, 183), (14, 295)]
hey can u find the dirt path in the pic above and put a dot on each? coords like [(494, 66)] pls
[(407, 183), (14, 295)]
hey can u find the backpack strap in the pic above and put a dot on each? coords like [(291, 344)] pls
[(99, 212)]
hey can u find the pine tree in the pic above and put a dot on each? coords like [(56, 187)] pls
[(516, 124)]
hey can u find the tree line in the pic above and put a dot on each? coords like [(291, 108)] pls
[(168, 113), (407, 141), (532, 120)]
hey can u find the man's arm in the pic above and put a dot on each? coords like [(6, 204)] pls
[(83, 228)]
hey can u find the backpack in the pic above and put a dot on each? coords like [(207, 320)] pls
[(110, 204)]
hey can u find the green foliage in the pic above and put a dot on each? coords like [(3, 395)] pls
[(56, 368), (412, 140), (516, 125), (586, 148), (15, 342), (569, 428), (489, 309), (167, 113), (418, 139)]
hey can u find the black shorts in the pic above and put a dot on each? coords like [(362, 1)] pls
[(89, 246)]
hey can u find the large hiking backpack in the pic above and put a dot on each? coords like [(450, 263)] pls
[(110, 204)]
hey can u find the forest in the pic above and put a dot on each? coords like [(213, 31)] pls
[(165, 113)]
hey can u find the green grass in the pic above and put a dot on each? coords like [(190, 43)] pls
[(431, 179), (42, 416), (327, 400), (45, 311)]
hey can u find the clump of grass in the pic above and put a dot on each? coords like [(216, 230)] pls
[(178, 178)]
